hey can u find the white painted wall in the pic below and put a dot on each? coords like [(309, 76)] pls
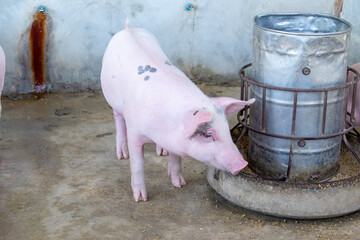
[(351, 13), (209, 43)]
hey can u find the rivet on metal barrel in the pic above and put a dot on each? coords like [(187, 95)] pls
[(299, 51), (306, 71)]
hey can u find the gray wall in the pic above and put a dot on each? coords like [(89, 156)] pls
[(209, 43)]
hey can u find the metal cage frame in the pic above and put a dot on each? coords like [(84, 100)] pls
[(349, 126)]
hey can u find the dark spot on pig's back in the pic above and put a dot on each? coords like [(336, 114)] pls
[(140, 70), (147, 68)]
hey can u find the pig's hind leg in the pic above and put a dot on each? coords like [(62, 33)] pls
[(121, 138), (174, 170)]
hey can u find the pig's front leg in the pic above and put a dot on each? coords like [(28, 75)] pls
[(174, 170), (160, 151), (137, 164), (121, 139)]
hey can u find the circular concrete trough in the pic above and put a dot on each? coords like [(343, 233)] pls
[(288, 200)]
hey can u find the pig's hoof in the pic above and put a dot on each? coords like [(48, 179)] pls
[(140, 194), (121, 154), (140, 197), (160, 151), (178, 180)]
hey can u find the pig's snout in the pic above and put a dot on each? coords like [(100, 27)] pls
[(232, 162), (240, 164)]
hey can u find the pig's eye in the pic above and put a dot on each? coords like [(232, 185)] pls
[(207, 135)]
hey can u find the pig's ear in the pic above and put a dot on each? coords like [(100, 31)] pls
[(194, 119), (231, 105)]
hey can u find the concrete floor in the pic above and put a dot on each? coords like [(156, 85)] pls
[(60, 179)]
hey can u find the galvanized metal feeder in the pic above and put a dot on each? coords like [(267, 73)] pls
[(298, 121)]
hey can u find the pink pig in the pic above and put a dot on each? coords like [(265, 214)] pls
[(357, 109), (2, 73), (154, 102)]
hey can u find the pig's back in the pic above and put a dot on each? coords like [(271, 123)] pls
[(122, 81), (127, 51), (134, 44)]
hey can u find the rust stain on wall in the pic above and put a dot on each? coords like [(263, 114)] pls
[(338, 5), (37, 52)]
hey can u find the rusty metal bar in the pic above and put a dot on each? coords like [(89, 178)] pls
[(242, 85), (300, 137), (240, 135), (290, 161), (324, 114), (293, 126), (345, 111), (263, 119), (246, 98), (353, 103), (237, 125), (355, 83)]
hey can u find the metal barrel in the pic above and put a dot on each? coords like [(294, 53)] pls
[(300, 51)]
